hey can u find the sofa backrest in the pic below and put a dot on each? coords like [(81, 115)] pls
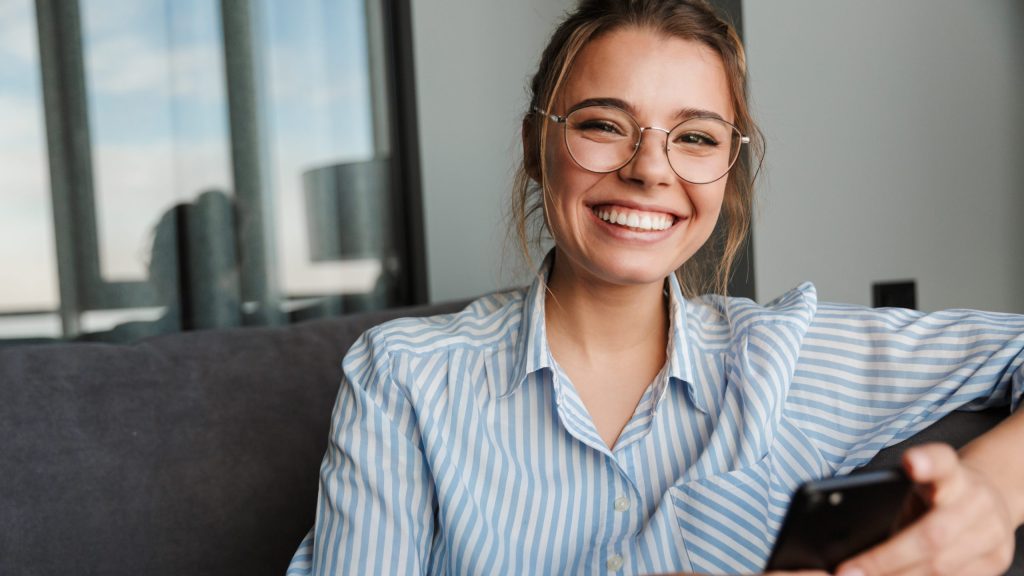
[(192, 453)]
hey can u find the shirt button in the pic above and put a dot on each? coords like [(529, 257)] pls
[(614, 562), (621, 504)]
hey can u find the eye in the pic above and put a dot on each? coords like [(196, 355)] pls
[(698, 139), (597, 125)]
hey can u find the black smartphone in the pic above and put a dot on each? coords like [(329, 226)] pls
[(831, 520)]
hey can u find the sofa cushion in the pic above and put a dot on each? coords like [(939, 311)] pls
[(191, 453)]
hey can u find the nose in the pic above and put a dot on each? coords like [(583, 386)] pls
[(649, 165)]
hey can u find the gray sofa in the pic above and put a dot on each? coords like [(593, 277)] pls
[(194, 453)]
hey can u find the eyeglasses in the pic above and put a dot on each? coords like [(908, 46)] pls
[(603, 139)]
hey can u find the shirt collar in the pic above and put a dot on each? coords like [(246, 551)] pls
[(533, 353), (680, 353), (531, 349)]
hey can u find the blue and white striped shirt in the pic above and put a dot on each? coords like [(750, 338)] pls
[(458, 445)]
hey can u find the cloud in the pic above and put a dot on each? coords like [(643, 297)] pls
[(133, 52), (27, 255), (18, 32), (23, 159), (125, 65), (128, 65), (104, 17)]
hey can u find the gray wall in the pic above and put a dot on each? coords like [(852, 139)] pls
[(894, 143), (473, 60), (894, 133)]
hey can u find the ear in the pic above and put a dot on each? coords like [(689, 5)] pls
[(531, 148)]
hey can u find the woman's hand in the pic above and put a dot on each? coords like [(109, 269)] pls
[(968, 527)]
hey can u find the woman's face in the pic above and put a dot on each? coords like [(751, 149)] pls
[(660, 80)]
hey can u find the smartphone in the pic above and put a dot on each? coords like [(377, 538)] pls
[(831, 520)]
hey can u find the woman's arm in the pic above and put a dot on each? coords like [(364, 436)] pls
[(867, 379), (375, 509), (911, 369), (999, 455)]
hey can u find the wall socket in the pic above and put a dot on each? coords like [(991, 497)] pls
[(894, 294)]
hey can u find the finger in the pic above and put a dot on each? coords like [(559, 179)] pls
[(930, 462), (917, 544), (938, 468), (990, 564), (981, 544)]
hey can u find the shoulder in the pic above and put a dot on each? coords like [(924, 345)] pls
[(735, 316), (412, 352), (408, 357), (903, 328), (488, 322)]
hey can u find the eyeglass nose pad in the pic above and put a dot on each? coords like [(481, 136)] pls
[(640, 140)]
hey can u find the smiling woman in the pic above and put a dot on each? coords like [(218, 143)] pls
[(622, 413), (654, 77), (720, 75)]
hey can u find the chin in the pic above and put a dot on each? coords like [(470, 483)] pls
[(635, 271)]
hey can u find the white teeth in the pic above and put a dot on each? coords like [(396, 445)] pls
[(640, 221)]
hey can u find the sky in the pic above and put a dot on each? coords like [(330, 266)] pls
[(159, 129), (27, 254)]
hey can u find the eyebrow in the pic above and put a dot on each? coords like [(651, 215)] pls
[(681, 114)]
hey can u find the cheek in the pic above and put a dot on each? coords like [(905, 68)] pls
[(557, 162), (567, 182), (707, 199)]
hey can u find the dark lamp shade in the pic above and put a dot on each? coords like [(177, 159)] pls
[(348, 210)]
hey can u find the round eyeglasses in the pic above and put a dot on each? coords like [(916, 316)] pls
[(603, 139)]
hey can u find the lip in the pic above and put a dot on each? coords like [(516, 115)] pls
[(633, 205)]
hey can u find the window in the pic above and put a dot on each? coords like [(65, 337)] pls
[(29, 294), (320, 116), (180, 164)]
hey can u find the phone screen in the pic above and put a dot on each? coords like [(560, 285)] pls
[(831, 520)]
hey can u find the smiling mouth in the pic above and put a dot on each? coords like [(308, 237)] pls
[(638, 220)]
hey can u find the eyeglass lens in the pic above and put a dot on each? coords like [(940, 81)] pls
[(604, 139)]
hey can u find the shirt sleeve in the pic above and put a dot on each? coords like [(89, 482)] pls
[(869, 378), (375, 509)]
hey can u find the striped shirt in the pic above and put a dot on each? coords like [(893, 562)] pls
[(459, 446)]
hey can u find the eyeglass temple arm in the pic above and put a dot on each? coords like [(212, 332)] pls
[(545, 114)]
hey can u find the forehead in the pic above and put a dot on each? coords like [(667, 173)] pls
[(657, 75)]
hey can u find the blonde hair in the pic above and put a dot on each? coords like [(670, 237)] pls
[(709, 270)]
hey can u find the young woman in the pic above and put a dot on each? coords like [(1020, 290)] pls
[(607, 419)]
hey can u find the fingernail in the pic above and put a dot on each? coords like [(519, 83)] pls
[(850, 572), (918, 465)]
